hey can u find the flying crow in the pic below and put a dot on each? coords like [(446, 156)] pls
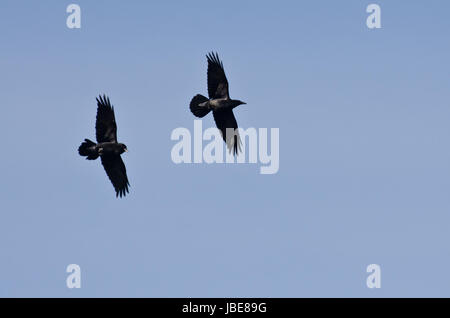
[(220, 103), (107, 147)]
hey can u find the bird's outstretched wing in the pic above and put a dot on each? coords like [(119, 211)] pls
[(217, 81), (105, 125), (225, 119), (117, 173)]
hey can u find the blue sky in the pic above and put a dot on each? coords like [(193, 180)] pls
[(364, 150)]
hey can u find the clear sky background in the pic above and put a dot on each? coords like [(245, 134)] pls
[(364, 150)]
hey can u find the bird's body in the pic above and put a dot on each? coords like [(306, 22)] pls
[(110, 148), (107, 147), (220, 103)]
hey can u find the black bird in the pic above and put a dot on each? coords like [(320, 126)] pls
[(220, 103), (107, 147)]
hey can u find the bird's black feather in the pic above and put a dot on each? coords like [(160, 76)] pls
[(217, 80), (117, 173), (196, 109), (105, 125), (225, 119), (87, 149)]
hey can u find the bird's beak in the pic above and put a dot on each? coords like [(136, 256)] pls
[(126, 150), (244, 103)]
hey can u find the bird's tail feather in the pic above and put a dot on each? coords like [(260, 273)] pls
[(198, 106), (87, 149)]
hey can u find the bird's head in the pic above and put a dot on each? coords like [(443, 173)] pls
[(239, 102), (123, 148)]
